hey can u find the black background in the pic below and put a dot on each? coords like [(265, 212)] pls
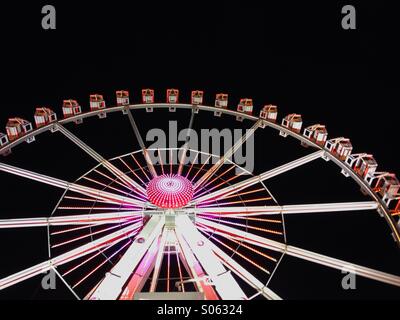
[(295, 55)]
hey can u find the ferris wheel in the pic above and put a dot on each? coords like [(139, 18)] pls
[(141, 226)]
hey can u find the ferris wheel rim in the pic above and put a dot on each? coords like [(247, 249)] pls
[(294, 251)]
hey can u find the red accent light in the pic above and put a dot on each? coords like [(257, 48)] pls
[(170, 191)]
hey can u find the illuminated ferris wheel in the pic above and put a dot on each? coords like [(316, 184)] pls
[(140, 226)]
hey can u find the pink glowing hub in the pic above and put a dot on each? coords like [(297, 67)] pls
[(170, 191)]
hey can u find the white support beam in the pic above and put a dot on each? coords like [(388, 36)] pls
[(343, 265), (245, 275), (194, 268), (158, 261), (82, 219), (91, 192), (230, 232), (288, 209), (108, 165), (186, 144), (256, 179), (141, 143), (141, 274), (224, 283), (69, 256), (206, 176), (113, 284)]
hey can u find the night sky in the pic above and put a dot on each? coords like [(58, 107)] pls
[(296, 56)]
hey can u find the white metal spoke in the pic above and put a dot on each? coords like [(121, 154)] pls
[(111, 287), (142, 273), (206, 176), (230, 232), (158, 261), (69, 256), (256, 179), (224, 283), (108, 165), (141, 143), (192, 264), (288, 209), (231, 264), (83, 219), (186, 144), (91, 192)]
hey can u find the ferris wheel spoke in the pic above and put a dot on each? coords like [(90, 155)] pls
[(91, 192), (84, 219), (108, 165), (210, 172), (136, 223), (186, 144), (240, 271), (223, 182), (218, 177), (141, 143), (191, 165), (288, 209), (158, 260), (327, 261), (256, 179), (110, 288), (142, 273), (224, 283), (69, 256)]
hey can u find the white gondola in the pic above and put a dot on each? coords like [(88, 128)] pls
[(148, 98), (172, 97), (269, 112), (362, 163), (97, 102), (17, 128), (197, 99), (72, 108), (387, 186), (293, 122), (122, 99), (45, 116), (316, 133), (340, 147), (221, 101), (245, 106)]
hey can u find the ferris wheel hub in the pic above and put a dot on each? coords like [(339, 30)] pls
[(170, 191)]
